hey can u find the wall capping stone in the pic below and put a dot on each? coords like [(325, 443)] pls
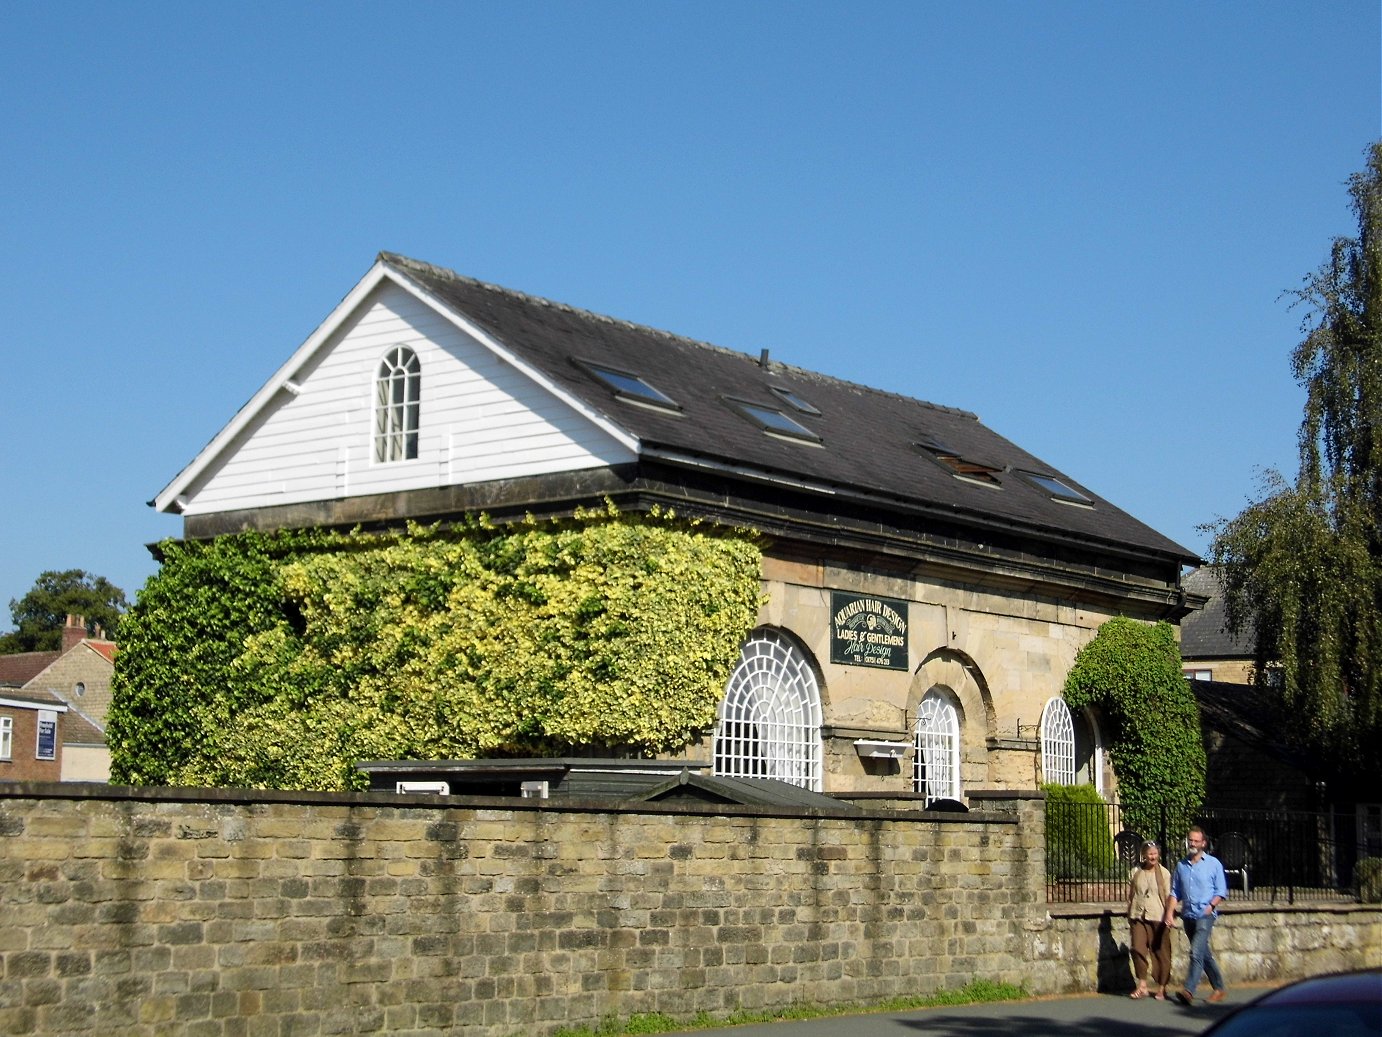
[(175, 794)]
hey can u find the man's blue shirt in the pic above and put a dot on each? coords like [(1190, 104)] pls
[(1195, 885)]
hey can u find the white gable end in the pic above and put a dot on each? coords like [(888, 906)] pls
[(480, 419)]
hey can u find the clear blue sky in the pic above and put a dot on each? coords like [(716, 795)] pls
[(1074, 218)]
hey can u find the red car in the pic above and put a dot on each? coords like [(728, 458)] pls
[(1344, 1004)]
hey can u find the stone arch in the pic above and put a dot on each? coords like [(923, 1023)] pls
[(959, 677)]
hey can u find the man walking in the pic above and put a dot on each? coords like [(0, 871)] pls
[(1198, 887)]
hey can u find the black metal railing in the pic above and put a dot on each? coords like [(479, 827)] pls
[(1268, 856)]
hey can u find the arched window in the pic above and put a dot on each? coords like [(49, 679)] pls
[(770, 719), (936, 739), (1057, 744), (397, 389)]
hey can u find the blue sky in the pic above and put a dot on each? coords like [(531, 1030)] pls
[(1076, 219)]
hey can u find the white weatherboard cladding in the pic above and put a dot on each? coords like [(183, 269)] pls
[(481, 419)]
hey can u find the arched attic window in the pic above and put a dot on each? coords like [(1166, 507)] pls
[(1057, 744), (936, 738), (770, 719), (397, 389)]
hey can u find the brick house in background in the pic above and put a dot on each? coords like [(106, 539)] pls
[(30, 749), (926, 582), (69, 688)]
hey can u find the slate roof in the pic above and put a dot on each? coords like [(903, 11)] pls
[(80, 729), (868, 437), (1204, 634), (768, 792)]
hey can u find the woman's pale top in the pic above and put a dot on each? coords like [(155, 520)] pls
[(1148, 889)]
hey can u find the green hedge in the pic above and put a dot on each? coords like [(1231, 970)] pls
[(1079, 844)]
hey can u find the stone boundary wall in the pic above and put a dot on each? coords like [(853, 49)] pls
[(1085, 947), (219, 913), (236, 914)]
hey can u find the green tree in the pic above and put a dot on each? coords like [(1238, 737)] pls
[(39, 615), (1131, 673), (1302, 567)]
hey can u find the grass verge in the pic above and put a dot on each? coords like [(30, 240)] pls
[(975, 992)]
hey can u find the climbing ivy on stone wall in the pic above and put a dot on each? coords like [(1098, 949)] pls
[(279, 660), (1131, 672)]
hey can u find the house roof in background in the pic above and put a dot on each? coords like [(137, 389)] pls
[(1204, 634), (80, 729), (20, 668), (106, 649)]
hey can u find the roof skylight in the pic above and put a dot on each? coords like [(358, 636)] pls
[(1056, 489), (960, 466), (630, 386), (793, 400), (773, 421)]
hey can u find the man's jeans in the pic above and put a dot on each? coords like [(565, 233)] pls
[(1201, 954)]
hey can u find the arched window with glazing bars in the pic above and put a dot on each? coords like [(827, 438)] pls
[(936, 745), (1057, 744), (769, 723), (397, 394)]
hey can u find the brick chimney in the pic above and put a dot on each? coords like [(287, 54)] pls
[(73, 632)]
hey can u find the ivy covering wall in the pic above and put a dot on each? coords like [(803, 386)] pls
[(1131, 673), (279, 660)]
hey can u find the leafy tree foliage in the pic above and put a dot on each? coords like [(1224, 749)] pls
[(1302, 567), (280, 661), (1131, 673), (39, 615)]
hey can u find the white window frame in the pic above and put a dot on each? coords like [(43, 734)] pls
[(769, 722), (6, 738), (936, 746), (397, 399), (1057, 743)]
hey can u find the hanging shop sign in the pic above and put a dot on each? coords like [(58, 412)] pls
[(866, 630)]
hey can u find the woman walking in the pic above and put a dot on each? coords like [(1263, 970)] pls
[(1149, 886)]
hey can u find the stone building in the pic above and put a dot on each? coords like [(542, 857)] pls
[(926, 582), (65, 694), (1208, 650)]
